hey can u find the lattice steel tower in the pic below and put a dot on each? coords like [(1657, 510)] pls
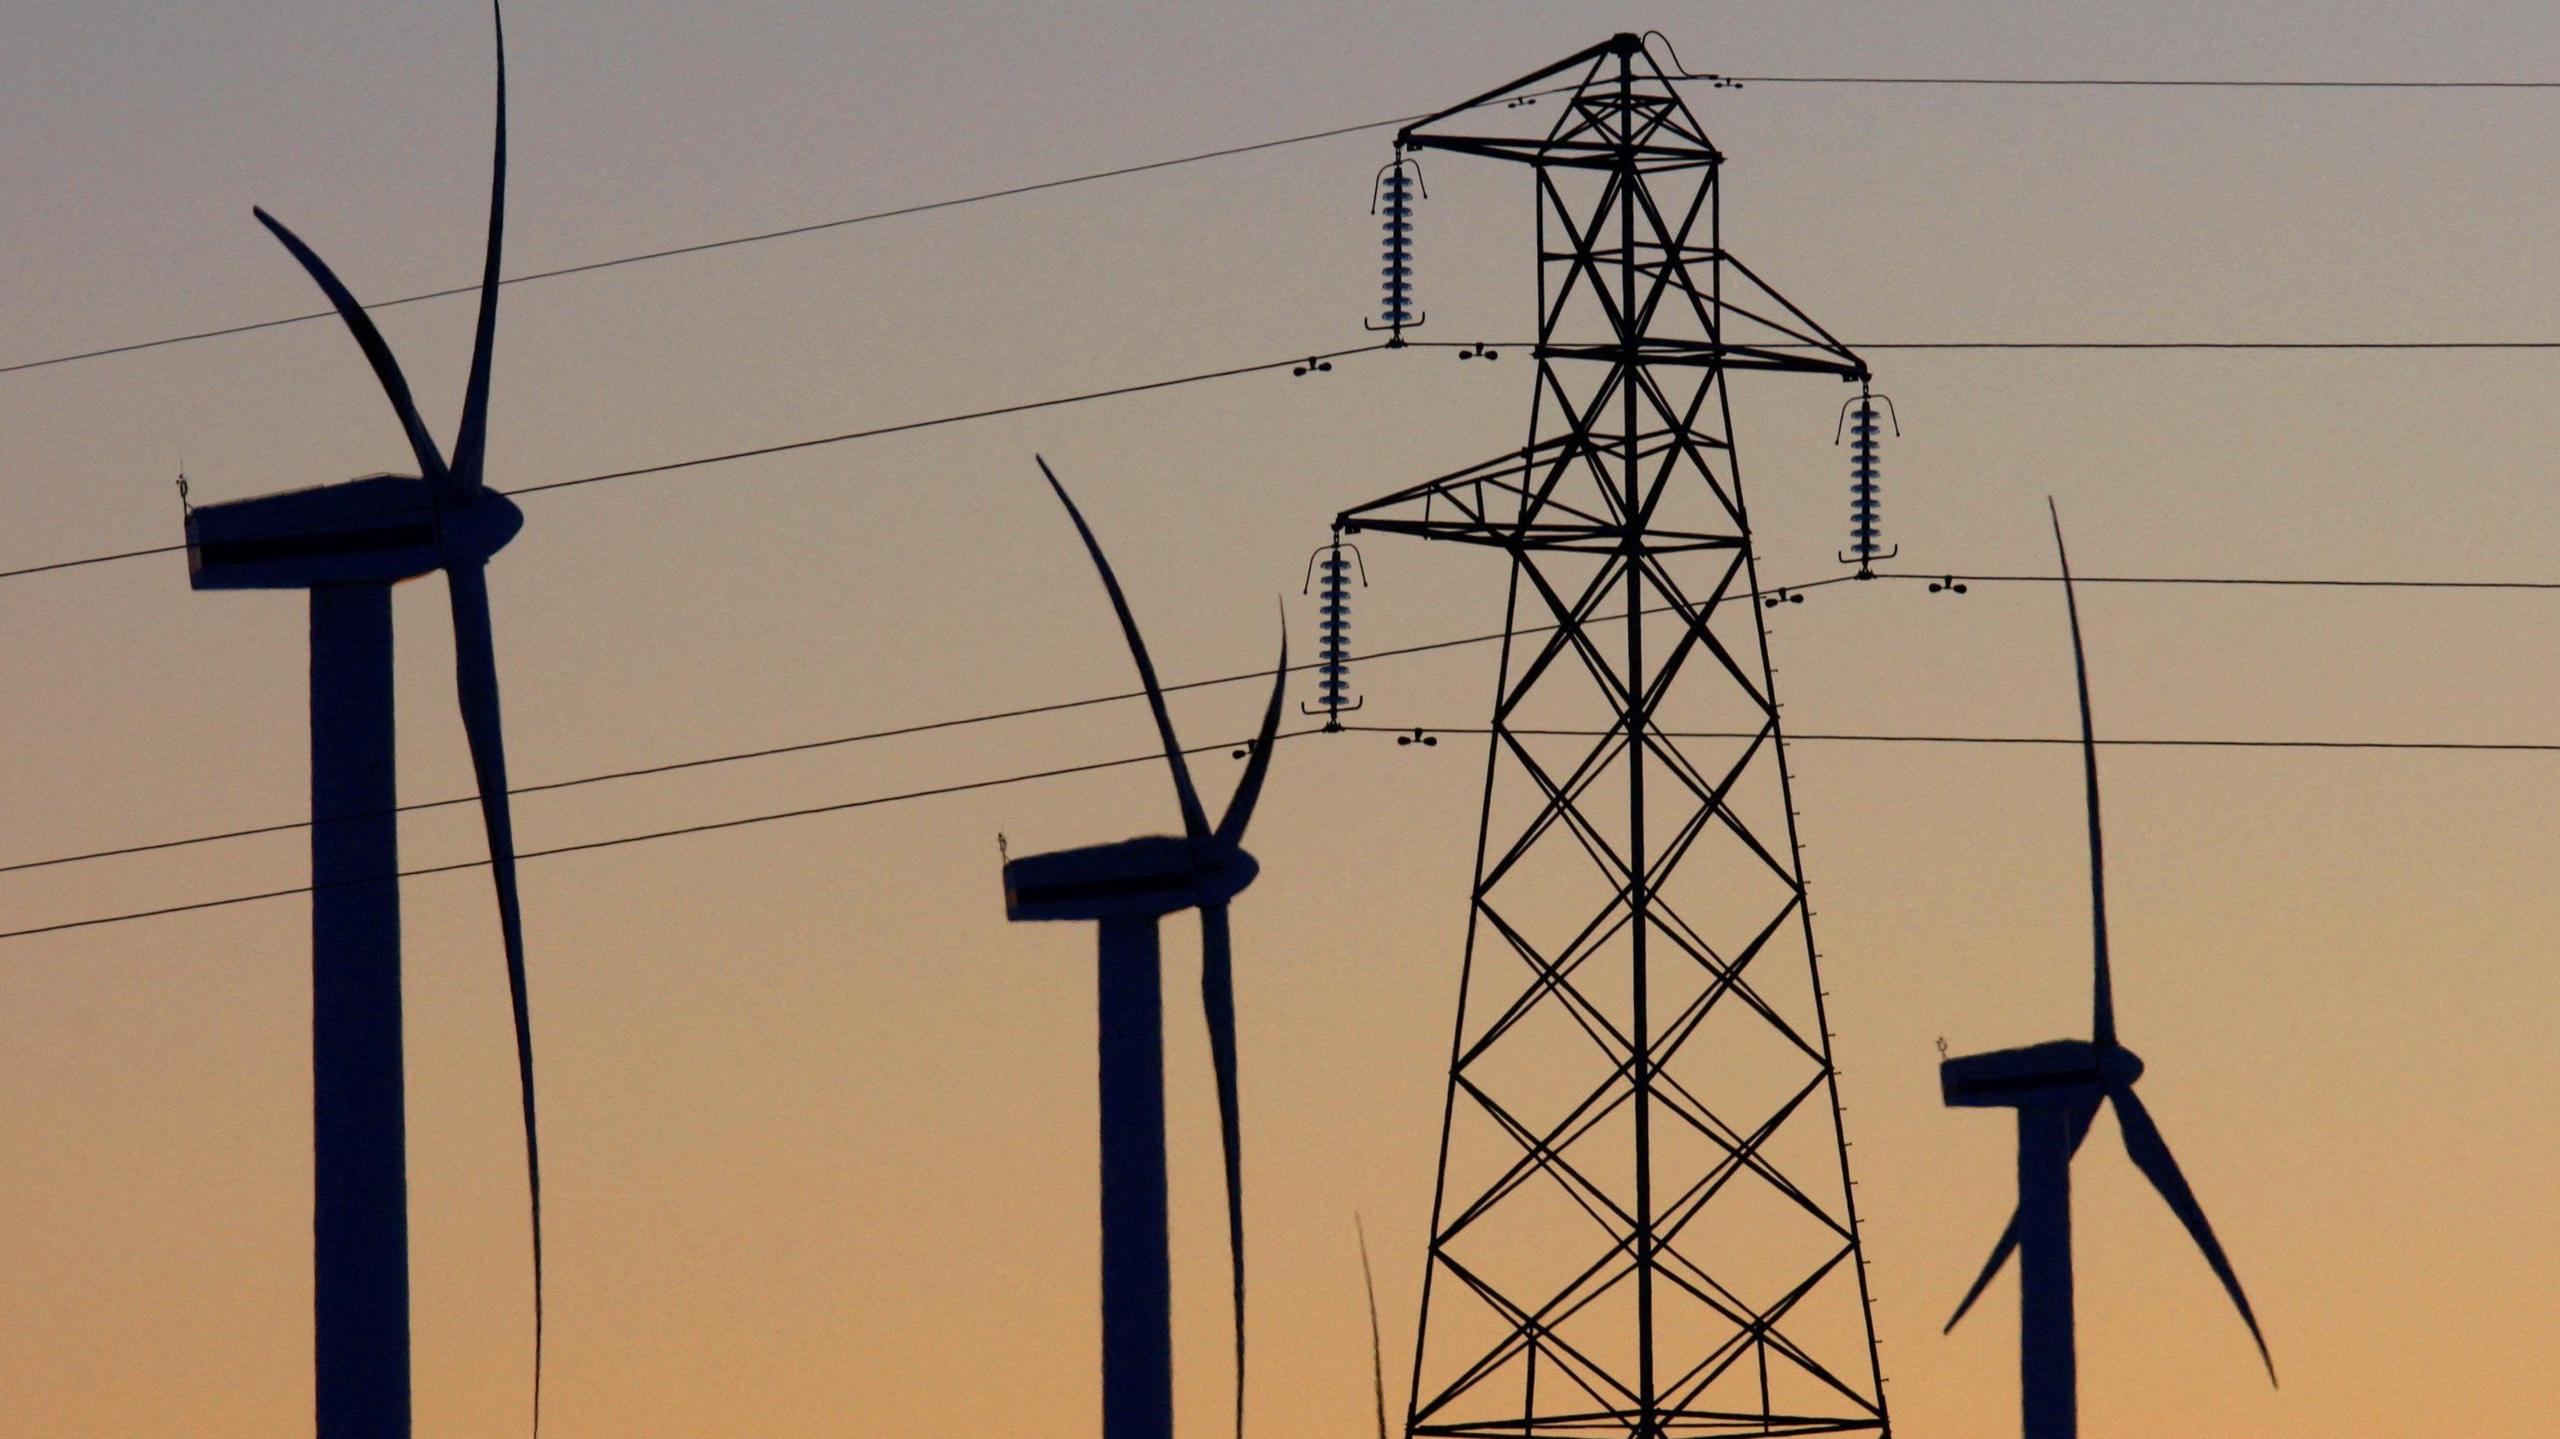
[(1643, 1222)]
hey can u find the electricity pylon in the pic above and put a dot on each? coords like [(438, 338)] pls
[(1643, 1222)]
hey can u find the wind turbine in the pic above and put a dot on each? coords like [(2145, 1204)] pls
[(2057, 1089), (348, 544), (1377, 1344), (1125, 889)]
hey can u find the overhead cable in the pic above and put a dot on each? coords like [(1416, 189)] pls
[(1226, 152), (787, 446), (621, 841)]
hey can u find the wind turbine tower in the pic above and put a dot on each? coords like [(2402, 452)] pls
[(1643, 1221), (2057, 1088), (347, 545), (1125, 889)]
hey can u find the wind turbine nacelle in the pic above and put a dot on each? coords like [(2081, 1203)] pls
[(379, 530), (1157, 875), (2062, 1070)]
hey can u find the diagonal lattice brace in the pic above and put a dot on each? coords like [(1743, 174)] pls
[(1644, 1224)]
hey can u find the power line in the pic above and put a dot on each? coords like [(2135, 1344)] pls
[(1121, 171), (2135, 83), (1300, 358), (965, 786), (803, 747), (2106, 345), (1426, 647), (768, 752), (2088, 346), (1792, 737), (2314, 582), (787, 446), (620, 841), (51, 565), (754, 238), (899, 429)]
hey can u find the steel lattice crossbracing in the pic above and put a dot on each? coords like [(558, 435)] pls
[(1643, 1222)]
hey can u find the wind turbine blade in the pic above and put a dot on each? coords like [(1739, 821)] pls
[(470, 443), (1218, 1002), (1195, 822), (2151, 1155), (386, 367), (1377, 1346), (476, 684), (1249, 789), (2081, 1119), (2000, 1253), (2102, 1023)]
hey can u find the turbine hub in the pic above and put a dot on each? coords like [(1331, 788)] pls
[(479, 527)]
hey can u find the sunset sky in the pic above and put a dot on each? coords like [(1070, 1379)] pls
[(818, 1123)]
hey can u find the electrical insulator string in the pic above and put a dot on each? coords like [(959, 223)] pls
[(1329, 575), (1409, 734), (1392, 196), (1866, 473)]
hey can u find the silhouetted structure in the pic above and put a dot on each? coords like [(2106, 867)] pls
[(1332, 567), (2057, 1089), (1125, 889), (1643, 1221), (1393, 195), (348, 544), (1377, 1338), (1866, 474)]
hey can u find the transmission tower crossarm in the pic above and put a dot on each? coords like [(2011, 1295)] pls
[(1647, 1052), (1831, 359), (1412, 136), (1805, 329), (1511, 503), (1473, 498)]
